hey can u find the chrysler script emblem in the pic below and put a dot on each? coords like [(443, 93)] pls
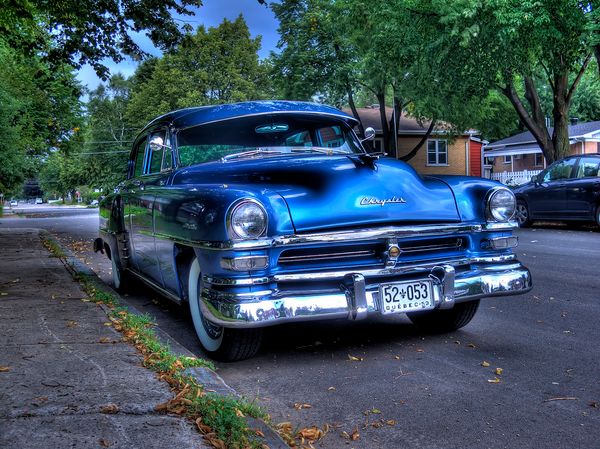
[(374, 201)]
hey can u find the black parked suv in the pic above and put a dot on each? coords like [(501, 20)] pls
[(568, 190)]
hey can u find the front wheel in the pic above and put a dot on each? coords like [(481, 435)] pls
[(445, 320), (598, 216), (225, 344)]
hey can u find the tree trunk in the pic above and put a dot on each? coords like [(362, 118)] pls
[(412, 153), (384, 123), (560, 114), (393, 125), (597, 54), (361, 128)]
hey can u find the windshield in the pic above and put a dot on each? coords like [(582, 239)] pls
[(265, 136)]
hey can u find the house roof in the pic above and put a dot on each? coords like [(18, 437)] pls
[(183, 118), (575, 131)]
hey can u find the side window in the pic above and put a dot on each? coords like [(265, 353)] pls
[(156, 155), (588, 167), (560, 170), (139, 159), (167, 162)]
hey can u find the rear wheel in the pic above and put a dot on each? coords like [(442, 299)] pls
[(445, 320), (121, 279), (522, 214), (598, 216), (219, 343)]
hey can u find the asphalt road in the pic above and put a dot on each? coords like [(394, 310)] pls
[(408, 390)]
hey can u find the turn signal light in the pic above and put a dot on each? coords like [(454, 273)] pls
[(245, 263), (500, 243)]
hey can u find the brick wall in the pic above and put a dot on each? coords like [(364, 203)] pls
[(456, 156)]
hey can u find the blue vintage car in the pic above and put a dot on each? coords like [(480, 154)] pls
[(270, 212)]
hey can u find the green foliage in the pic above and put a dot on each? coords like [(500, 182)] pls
[(39, 110), (218, 65), (88, 31)]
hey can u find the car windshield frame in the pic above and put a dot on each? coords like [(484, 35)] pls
[(269, 135)]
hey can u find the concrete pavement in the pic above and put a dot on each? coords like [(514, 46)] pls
[(66, 378)]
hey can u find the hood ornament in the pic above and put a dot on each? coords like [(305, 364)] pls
[(374, 201)]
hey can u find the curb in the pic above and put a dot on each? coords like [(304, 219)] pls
[(204, 376)]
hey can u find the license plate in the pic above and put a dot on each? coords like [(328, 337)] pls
[(410, 296)]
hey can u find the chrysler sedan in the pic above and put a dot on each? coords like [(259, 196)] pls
[(264, 213)]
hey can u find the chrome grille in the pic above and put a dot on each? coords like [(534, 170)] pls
[(428, 246)]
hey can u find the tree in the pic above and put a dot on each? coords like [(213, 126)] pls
[(88, 31), (508, 45), (218, 65), (39, 113)]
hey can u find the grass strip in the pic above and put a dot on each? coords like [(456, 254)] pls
[(220, 419)]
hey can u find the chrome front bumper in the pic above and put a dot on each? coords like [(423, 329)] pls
[(358, 295)]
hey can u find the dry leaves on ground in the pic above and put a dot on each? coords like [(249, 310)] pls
[(110, 409), (485, 364), (4, 369), (104, 443), (354, 358), (300, 406)]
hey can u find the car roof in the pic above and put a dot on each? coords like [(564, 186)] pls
[(184, 118)]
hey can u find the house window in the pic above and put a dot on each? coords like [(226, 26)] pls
[(539, 159), (437, 152), (507, 159)]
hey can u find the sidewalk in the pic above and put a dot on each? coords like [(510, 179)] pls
[(66, 378)]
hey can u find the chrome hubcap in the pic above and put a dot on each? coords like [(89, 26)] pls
[(521, 213)]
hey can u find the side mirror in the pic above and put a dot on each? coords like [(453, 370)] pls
[(369, 134), (157, 143)]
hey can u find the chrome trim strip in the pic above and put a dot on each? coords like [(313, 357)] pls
[(266, 308), (326, 256), (372, 272), (389, 232)]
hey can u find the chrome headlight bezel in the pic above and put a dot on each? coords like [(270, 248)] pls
[(500, 213), (235, 230)]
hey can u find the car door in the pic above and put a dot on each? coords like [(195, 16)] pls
[(548, 198), (583, 189), (140, 210)]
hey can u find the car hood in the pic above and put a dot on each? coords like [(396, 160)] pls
[(329, 192)]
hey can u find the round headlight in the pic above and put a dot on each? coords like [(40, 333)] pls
[(501, 205), (247, 220)]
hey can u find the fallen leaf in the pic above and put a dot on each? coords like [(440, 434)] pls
[(485, 364), (103, 442), (498, 371), (105, 340), (355, 359), (331, 389), (457, 342), (239, 413), (495, 380), (311, 434), (391, 422), (71, 323), (375, 411), (300, 406), (110, 409), (593, 404), (108, 324), (471, 345), (420, 350), (4, 369), (355, 435), (259, 433), (397, 357), (3, 294)]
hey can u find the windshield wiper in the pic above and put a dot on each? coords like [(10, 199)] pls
[(250, 153), (319, 150)]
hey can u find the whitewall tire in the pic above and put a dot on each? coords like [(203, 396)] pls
[(220, 343)]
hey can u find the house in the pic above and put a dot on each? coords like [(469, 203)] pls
[(441, 154), (521, 152)]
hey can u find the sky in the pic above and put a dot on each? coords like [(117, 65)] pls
[(260, 20)]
